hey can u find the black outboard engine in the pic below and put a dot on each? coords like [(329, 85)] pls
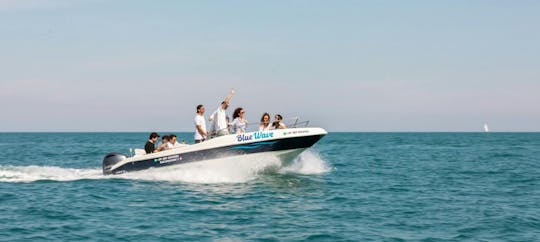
[(111, 159)]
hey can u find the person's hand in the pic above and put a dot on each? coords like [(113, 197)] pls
[(232, 91)]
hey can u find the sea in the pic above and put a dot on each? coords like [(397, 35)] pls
[(348, 187)]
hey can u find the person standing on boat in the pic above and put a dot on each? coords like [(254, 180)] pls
[(239, 123), (200, 125), (149, 147), (220, 116)]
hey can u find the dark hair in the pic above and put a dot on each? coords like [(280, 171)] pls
[(165, 137), (276, 123), (199, 107), (236, 112), (265, 114), (172, 136), (226, 104), (153, 135)]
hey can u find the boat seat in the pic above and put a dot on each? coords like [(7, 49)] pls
[(139, 152)]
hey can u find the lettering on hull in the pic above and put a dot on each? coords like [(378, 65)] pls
[(168, 159), (255, 136)]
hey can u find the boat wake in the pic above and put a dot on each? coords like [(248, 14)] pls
[(52, 173), (224, 170)]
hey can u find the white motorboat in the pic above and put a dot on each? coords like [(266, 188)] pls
[(286, 144)]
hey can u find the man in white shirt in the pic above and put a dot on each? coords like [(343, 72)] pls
[(172, 141), (200, 125), (220, 116)]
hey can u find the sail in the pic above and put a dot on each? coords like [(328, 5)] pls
[(486, 128)]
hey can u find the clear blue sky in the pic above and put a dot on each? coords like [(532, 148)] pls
[(345, 65)]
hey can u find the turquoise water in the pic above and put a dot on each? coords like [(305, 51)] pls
[(348, 187)]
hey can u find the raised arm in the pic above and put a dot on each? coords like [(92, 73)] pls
[(228, 98)]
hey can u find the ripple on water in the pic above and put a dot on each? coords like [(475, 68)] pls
[(351, 187)]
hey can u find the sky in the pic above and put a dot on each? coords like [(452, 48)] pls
[(368, 66)]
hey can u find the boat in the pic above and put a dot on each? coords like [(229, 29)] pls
[(486, 128), (285, 144)]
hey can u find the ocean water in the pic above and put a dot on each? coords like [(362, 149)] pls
[(348, 187)]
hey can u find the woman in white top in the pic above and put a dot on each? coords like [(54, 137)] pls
[(239, 123), (264, 125)]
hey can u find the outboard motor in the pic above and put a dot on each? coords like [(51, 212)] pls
[(111, 159)]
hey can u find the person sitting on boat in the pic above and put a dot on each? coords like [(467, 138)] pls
[(239, 123), (200, 125), (264, 125), (172, 141), (149, 147), (277, 124), (164, 144), (220, 116)]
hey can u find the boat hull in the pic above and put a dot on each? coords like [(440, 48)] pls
[(284, 144)]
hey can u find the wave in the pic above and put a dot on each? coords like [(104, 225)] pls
[(224, 170), (308, 162)]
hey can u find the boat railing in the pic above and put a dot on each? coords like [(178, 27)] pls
[(294, 122)]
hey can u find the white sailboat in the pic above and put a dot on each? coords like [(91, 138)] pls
[(486, 128)]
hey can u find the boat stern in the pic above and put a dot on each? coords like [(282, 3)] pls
[(110, 160)]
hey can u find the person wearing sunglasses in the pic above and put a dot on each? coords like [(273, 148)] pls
[(277, 124), (239, 123)]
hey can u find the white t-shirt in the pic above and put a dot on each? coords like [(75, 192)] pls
[(263, 128), (220, 119), (199, 120), (238, 125), (164, 146)]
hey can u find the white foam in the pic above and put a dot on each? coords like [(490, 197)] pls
[(225, 170), (54, 173), (308, 162)]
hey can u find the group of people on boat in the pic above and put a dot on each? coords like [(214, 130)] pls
[(221, 125), (167, 142)]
